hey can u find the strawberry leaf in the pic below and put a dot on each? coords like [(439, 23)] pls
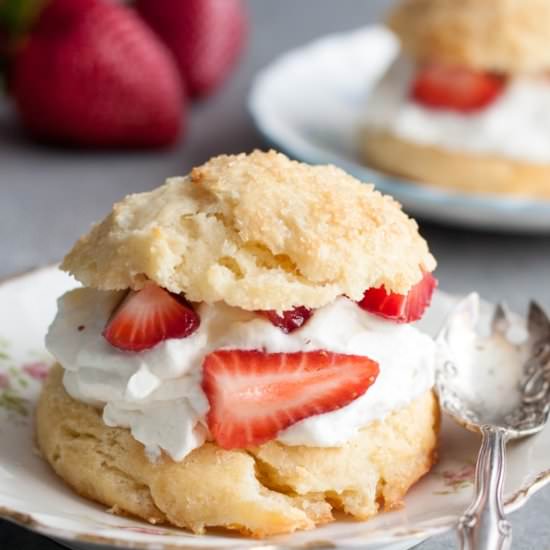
[(18, 16)]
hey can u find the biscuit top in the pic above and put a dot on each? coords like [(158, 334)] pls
[(257, 231), (507, 36)]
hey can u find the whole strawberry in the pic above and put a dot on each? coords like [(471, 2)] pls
[(91, 73), (205, 36)]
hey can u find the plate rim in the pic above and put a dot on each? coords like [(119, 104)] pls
[(421, 532), (436, 196)]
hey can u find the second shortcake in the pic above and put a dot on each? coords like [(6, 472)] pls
[(466, 104)]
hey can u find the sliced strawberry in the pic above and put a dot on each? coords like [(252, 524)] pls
[(403, 308), (457, 88), (254, 395), (149, 316), (289, 320)]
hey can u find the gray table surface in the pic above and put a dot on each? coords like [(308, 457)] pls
[(48, 197)]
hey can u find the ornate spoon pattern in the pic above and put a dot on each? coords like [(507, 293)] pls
[(498, 385)]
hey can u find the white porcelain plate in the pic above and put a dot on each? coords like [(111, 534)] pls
[(31, 495), (309, 101)]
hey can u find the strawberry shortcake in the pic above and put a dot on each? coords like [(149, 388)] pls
[(466, 103), (242, 352)]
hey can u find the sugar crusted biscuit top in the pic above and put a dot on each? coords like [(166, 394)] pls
[(508, 36), (257, 231)]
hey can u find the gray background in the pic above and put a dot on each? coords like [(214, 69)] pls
[(48, 197)]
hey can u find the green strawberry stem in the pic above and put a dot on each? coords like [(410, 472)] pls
[(17, 17)]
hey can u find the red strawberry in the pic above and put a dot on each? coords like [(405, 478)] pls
[(289, 320), (254, 395), (205, 36), (91, 73), (149, 316), (457, 88), (403, 308)]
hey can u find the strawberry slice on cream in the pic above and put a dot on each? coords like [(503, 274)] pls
[(290, 320), (402, 308), (254, 395), (149, 316), (455, 88)]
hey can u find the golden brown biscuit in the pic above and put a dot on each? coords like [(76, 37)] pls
[(508, 36), (259, 232), (457, 170), (261, 491)]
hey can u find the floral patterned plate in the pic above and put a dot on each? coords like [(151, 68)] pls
[(31, 495)]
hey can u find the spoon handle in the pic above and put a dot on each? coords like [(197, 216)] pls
[(484, 526)]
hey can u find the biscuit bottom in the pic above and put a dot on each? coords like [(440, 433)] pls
[(461, 171), (260, 491)]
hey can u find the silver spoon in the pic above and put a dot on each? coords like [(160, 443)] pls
[(497, 385)]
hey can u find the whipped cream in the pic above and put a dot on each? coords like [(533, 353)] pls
[(515, 126), (157, 393)]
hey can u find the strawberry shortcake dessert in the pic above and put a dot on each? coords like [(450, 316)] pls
[(466, 103), (242, 352)]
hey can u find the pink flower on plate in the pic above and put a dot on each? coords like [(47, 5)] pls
[(4, 381), (38, 370), (465, 474)]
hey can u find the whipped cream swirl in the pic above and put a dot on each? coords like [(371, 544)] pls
[(157, 393), (515, 126)]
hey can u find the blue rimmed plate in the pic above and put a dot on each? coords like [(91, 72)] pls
[(309, 101)]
